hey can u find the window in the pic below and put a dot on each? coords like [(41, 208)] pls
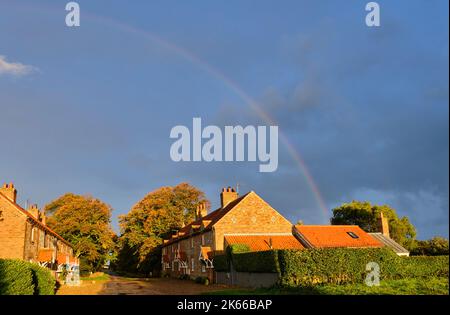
[(173, 265), (203, 239), (192, 242), (203, 268), (164, 251), (192, 264), (352, 235)]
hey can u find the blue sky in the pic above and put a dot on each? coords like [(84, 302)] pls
[(90, 109)]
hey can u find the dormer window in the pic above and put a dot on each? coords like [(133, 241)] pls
[(352, 235)]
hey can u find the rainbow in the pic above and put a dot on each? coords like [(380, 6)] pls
[(214, 72)]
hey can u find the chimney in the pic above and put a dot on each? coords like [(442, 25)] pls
[(34, 211), (227, 195), (383, 225), (9, 191), (43, 218), (201, 211)]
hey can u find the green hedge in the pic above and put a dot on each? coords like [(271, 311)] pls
[(336, 266), (221, 263), (265, 261), (425, 266), (333, 266), (43, 279), (18, 277)]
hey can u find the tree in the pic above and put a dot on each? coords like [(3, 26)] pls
[(151, 220), (434, 247), (366, 216), (84, 222)]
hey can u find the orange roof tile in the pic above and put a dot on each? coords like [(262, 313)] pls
[(265, 242), (321, 236)]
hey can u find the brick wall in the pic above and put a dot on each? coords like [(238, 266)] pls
[(251, 215), (12, 231)]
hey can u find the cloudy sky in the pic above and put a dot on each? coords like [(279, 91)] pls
[(90, 109)]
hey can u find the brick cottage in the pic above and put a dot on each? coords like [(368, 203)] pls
[(24, 235)]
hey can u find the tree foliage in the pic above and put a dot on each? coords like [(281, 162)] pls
[(434, 247), (366, 215), (85, 223), (153, 218)]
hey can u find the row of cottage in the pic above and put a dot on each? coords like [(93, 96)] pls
[(25, 235), (246, 219), (250, 220)]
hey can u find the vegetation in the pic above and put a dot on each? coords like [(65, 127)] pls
[(18, 277), (430, 286), (84, 222), (150, 221), (435, 246), (366, 215)]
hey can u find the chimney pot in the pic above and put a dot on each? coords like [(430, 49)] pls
[(9, 191), (227, 196)]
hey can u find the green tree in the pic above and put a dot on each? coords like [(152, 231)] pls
[(84, 222), (366, 216), (434, 247), (151, 220)]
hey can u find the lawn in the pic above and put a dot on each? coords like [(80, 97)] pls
[(430, 286)]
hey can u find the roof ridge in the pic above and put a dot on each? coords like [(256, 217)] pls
[(18, 207)]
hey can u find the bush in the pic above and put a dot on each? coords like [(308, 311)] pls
[(264, 261), (434, 247), (16, 277), (43, 280), (335, 266), (184, 277), (202, 280), (221, 263), (424, 267)]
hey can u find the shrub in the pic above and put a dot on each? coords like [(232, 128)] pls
[(43, 280), (336, 266), (221, 263), (16, 277), (264, 261), (434, 247), (202, 280), (424, 266), (184, 277)]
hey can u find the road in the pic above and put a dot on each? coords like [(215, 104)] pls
[(117, 285)]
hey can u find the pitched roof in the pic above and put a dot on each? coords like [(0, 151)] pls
[(389, 242), (265, 242), (37, 222), (325, 236), (209, 220)]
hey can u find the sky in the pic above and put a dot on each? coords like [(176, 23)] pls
[(363, 111)]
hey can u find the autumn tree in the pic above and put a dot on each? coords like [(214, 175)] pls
[(366, 215), (84, 222), (153, 218)]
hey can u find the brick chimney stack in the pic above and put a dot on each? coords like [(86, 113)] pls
[(383, 225), (34, 211), (43, 218), (227, 195), (201, 211), (9, 191)]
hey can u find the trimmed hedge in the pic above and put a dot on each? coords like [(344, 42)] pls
[(425, 266), (265, 261), (43, 279), (18, 277), (221, 263), (333, 266)]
